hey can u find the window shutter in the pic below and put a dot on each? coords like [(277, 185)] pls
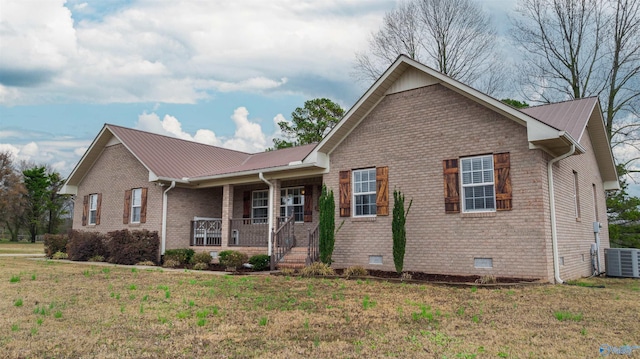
[(98, 208), (126, 213), (85, 210), (502, 178), (382, 191), (246, 200), (143, 206), (451, 186), (345, 193), (308, 203)]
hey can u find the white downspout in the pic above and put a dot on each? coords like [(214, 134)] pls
[(552, 208), (270, 210), (163, 243)]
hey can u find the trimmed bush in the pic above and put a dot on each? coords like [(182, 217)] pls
[(317, 269), (355, 271), (260, 262), (97, 258), (84, 245), (200, 266), (60, 255), (126, 247), (202, 257), (232, 258), (171, 263), (54, 243), (182, 255)]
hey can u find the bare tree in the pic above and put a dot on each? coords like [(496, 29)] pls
[(456, 37), (581, 48), (12, 194)]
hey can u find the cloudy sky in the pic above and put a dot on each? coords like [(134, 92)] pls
[(217, 72)]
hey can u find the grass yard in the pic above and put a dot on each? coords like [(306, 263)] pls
[(68, 310), (7, 247)]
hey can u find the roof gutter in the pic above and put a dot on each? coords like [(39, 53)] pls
[(163, 243), (270, 210), (552, 208), (252, 172)]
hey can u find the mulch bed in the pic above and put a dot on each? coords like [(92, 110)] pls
[(427, 277)]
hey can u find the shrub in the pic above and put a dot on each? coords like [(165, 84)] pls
[(145, 263), (398, 229), (260, 262), (202, 257), (200, 266), (406, 276), (355, 271), (126, 247), (487, 279), (287, 271), (317, 269), (326, 231), (84, 245), (60, 255), (232, 258), (54, 243), (171, 263), (182, 256), (97, 258)]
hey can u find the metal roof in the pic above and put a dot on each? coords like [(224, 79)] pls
[(570, 116), (175, 158)]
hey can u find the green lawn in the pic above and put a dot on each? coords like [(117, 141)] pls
[(59, 309)]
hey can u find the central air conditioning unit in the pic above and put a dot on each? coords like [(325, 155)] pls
[(622, 262)]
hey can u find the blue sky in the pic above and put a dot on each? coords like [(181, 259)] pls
[(218, 72)]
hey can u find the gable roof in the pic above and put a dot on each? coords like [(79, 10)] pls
[(172, 159), (554, 129)]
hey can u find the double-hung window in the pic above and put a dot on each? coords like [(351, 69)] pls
[(364, 192), (292, 203), (478, 194), (136, 204), (93, 209), (259, 206)]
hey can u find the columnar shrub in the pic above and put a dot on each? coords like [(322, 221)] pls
[(327, 235), (55, 243), (126, 247), (84, 245), (398, 229), (232, 258), (183, 256), (260, 262)]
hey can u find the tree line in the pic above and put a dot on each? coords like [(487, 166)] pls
[(29, 199)]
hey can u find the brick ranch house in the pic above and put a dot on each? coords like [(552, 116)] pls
[(496, 190)]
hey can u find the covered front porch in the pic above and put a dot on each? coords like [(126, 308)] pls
[(245, 216)]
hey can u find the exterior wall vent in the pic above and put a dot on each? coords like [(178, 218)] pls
[(622, 262), (375, 260)]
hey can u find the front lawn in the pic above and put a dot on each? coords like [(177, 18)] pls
[(7, 247), (56, 309)]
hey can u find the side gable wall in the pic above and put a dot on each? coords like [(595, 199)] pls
[(116, 171), (575, 235), (412, 132)]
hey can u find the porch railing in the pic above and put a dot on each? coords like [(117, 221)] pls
[(284, 239), (206, 231), (313, 250), (249, 232)]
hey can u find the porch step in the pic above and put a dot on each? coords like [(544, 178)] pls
[(295, 259)]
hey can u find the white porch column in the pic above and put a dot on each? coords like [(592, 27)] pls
[(227, 213), (276, 203)]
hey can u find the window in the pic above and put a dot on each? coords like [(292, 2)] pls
[(364, 192), (93, 209), (292, 203), (136, 204), (478, 193), (259, 206)]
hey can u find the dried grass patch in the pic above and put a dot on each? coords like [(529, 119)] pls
[(114, 312), (21, 247)]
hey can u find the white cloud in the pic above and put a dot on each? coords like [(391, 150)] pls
[(30, 149), (178, 52), (7, 147), (170, 126)]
